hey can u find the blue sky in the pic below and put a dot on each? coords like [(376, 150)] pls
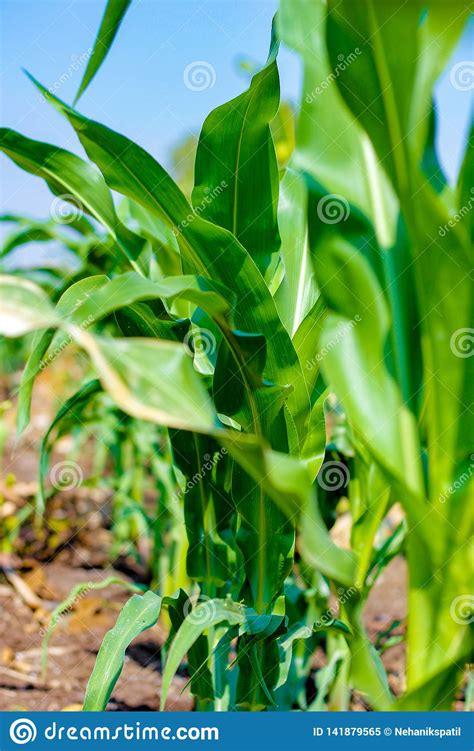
[(140, 90)]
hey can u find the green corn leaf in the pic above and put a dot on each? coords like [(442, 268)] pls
[(29, 231), (93, 298), (285, 647), (236, 171), (204, 616), (306, 342), (438, 688), (266, 539), (331, 145), (40, 344), (159, 371), (224, 676), (239, 389), (354, 332), (379, 29), (297, 292), (320, 552), (465, 192), (297, 632), (34, 233), (258, 673), (151, 380), (210, 560), (394, 106), (314, 447), (78, 223), (207, 250), (73, 297), (24, 307), (288, 483), (73, 180), (139, 320), (138, 614), (255, 662), (264, 625), (258, 657), (71, 408), (113, 17), (438, 35), (394, 102), (328, 676), (375, 497), (165, 257), (367, 672), (405, 359), (129, 288), (430, 165)]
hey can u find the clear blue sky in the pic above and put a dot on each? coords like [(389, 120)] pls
[(140, 89)]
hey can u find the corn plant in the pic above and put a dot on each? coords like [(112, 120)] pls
[(231, 342), (131, 462), (82, 250), (392, 256)]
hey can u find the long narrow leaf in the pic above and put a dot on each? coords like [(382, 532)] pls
[(236, 171), (138, 614), (113, 17)]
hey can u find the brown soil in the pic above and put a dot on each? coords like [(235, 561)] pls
[(73, 649), (72, 547), (388, 603), (69, 547), (74, 645)]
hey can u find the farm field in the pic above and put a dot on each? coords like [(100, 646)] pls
[(236, 436)]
